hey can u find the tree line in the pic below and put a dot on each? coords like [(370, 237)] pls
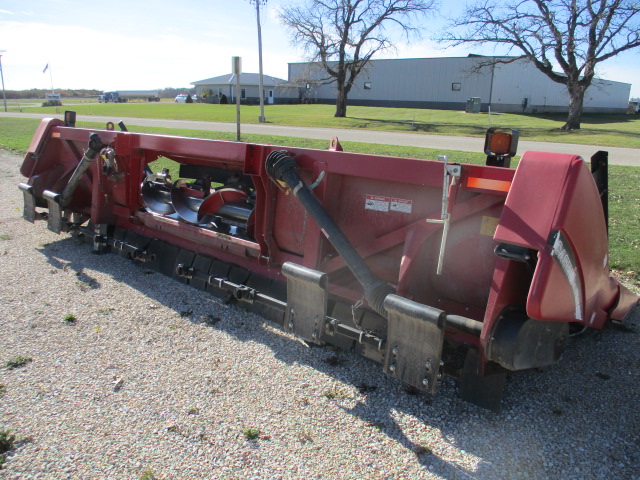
[(167, 92), (40, 93)]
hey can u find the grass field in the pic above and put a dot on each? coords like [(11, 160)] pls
[(624, 196), (17, 133), (14, 104), (618, 130)]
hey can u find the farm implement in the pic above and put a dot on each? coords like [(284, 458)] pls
[(427, 267)]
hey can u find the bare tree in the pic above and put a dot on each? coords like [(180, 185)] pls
[(343, 35), (571, 35)]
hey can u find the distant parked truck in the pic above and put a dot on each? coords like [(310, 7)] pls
[(124, 96), (52, 100)]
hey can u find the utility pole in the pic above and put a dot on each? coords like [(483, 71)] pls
[(51, 78), (261, 84), (4, 97), (236, 65)]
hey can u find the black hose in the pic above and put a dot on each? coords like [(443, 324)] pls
[(94, 147), (281, 167)]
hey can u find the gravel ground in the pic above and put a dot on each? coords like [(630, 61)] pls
[(154, 376)]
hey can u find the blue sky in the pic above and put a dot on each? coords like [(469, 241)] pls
[(118, 44)]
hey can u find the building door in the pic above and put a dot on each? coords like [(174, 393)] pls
[(270, 97)]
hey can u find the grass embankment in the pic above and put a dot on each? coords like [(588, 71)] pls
[(619, 130), (624, 194)]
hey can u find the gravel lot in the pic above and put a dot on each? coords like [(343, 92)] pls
[(154, 376)]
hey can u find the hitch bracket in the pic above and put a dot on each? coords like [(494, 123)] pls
[(29, 208), (307, 297), (54, 219), (415, 335)]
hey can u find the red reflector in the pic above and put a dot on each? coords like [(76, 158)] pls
[(488, 184)]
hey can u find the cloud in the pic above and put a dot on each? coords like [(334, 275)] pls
[(101, 58)]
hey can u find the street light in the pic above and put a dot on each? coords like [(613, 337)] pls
[(261, 84), (4, 97)]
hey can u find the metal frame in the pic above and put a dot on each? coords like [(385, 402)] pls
[(449, 286)]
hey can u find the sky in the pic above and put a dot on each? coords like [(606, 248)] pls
[(132, 45)]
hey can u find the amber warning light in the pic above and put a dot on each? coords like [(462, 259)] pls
[(500, 145)]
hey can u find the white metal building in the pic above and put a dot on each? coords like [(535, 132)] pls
[(447, 83), (276, 90)]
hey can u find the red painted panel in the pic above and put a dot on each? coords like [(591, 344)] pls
[(533, 198), (556, 193), (37, 143), (381, 204)]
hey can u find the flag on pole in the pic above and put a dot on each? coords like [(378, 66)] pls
[(45, 68)]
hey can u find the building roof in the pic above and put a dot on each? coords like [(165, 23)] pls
[(246, 79)]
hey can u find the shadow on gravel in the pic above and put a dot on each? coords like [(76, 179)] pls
[(51, 250), (578, 419)]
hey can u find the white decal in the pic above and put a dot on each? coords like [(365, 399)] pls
[(376, 202), (401, 205)]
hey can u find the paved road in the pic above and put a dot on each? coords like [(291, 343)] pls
[(617, 156)]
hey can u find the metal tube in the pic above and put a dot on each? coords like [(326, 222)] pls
[(4, 97), (260, 76), (95, 144), (464, 324), (282, 167)]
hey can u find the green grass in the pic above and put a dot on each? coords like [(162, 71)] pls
[(251, 433), (624, 223), (17, 133), (14, 104), (7, 442), (624, 204), (147, 475), (17, 362), (619, 130)]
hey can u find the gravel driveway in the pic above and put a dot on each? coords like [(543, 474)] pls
[(154, 379)]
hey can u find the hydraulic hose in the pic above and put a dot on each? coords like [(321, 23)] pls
[(95, 145), (281, 167)]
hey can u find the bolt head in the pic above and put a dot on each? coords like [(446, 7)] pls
[(425, 382), (290, 324), (395, 350), (392, 367)]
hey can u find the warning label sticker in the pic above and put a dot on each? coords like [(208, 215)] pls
[(401, 205), (376, 202)]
